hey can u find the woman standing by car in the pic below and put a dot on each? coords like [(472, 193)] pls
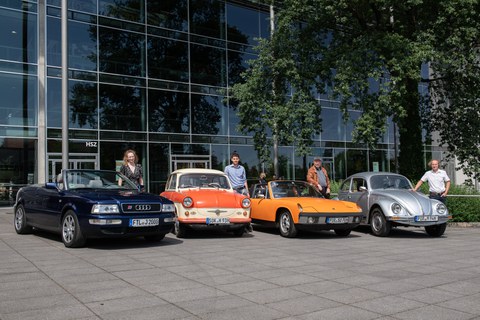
[(132, 169)]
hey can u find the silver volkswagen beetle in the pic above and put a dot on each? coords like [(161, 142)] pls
[(387, 201)]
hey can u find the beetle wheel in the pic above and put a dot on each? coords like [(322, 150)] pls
[(379, 225), (436, 230)]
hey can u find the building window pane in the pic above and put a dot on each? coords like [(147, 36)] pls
[(208, 65), (18, 36), (171, 14), (242, 24), (237, 64), (82, 46), (83, 5), (122, 108), (209, 115), (54, 42), (207, 17), (121, 52), (17, 165), (83, 105), (168, 111), (167, 59), (132, 10), (333, 127), (18, 105), (356, 161)]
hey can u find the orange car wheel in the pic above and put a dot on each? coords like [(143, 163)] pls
[(286, 225)]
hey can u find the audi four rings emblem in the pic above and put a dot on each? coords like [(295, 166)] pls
[(143, 207)]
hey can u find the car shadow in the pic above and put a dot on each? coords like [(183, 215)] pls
[(304, 234), (114, 243), (399, 232), (213, 234)]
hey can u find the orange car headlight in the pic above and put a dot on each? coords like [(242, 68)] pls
[(187, 202)]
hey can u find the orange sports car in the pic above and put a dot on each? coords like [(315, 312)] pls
[(204, 199), (294, 205)]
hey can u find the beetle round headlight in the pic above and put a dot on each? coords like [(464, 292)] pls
[(246, 203), (441, 208), (187, 202), (396, 208)]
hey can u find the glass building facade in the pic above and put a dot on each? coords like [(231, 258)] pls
[(146, 75)]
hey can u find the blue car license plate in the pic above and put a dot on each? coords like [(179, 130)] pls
[(144, 222), (336, 220), (218, 221)]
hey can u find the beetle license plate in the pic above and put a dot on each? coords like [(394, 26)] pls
[(218, 221), (144, 222), (426, 218), (336, 220)]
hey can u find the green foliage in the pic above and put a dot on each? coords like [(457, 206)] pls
[(464, 208)]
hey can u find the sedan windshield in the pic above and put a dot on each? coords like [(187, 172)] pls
[(390, 182), (203, 180), (91, 179), (287, 189)]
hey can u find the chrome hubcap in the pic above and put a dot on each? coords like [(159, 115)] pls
[(68, 228), (19, 216), (285, 223)]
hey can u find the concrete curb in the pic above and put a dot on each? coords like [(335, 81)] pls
[(464, 224)]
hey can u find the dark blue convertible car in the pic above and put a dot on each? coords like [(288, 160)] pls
[(84, 204)]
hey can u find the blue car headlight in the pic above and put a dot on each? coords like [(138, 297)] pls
[(105, 209), (168, 207)]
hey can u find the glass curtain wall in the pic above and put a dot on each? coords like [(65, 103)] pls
[(152, 76)]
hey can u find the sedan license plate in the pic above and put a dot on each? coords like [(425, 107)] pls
[(426, 218), (144, 222), (335, 220), (218, 221)]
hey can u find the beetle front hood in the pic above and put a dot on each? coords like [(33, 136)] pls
[(415, 202), (213, 198)]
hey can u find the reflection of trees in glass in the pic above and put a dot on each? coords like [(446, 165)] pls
[(122, 108), (123, 52), (168, 111), (83, 104), (171, 14), (133, 10)]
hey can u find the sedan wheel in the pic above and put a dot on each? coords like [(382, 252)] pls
[(286, 225), (437, 230), (20, 221), (379, 225), (72, 236)]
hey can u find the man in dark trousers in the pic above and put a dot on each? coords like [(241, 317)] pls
[(317, 176)]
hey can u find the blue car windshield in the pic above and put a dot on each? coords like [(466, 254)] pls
[(97, 179), (389, 182)]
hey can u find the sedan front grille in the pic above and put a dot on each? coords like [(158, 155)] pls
[(141, 207)]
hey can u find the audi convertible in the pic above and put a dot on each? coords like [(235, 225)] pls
[(294, 205), (84, 204)]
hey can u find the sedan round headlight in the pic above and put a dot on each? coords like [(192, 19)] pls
[(396, 208), (441, 208), (246, 203), (187, 202)]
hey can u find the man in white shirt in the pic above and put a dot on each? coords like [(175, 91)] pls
[(438, 182)]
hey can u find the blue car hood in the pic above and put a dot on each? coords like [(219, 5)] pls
[(119, 196)]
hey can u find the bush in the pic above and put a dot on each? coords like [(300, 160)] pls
[(464, 208)]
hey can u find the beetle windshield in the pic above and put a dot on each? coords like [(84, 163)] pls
[(203, 180), (289, 189), (390, 182), (97, 179)]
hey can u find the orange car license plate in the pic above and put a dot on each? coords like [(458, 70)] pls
[(335, 220)]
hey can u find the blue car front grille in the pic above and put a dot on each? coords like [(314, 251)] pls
[(141, 207)]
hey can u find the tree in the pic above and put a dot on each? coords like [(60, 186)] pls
[(369, 54), (275, 99)]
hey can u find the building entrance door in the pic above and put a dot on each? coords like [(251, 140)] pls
[(189, 161), (75, 161)]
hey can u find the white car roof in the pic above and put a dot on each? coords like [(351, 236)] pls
[(198, 170)]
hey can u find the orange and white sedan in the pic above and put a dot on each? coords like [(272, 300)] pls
[(205, 199)]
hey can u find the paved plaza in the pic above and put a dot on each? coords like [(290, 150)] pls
[(408, 275)]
